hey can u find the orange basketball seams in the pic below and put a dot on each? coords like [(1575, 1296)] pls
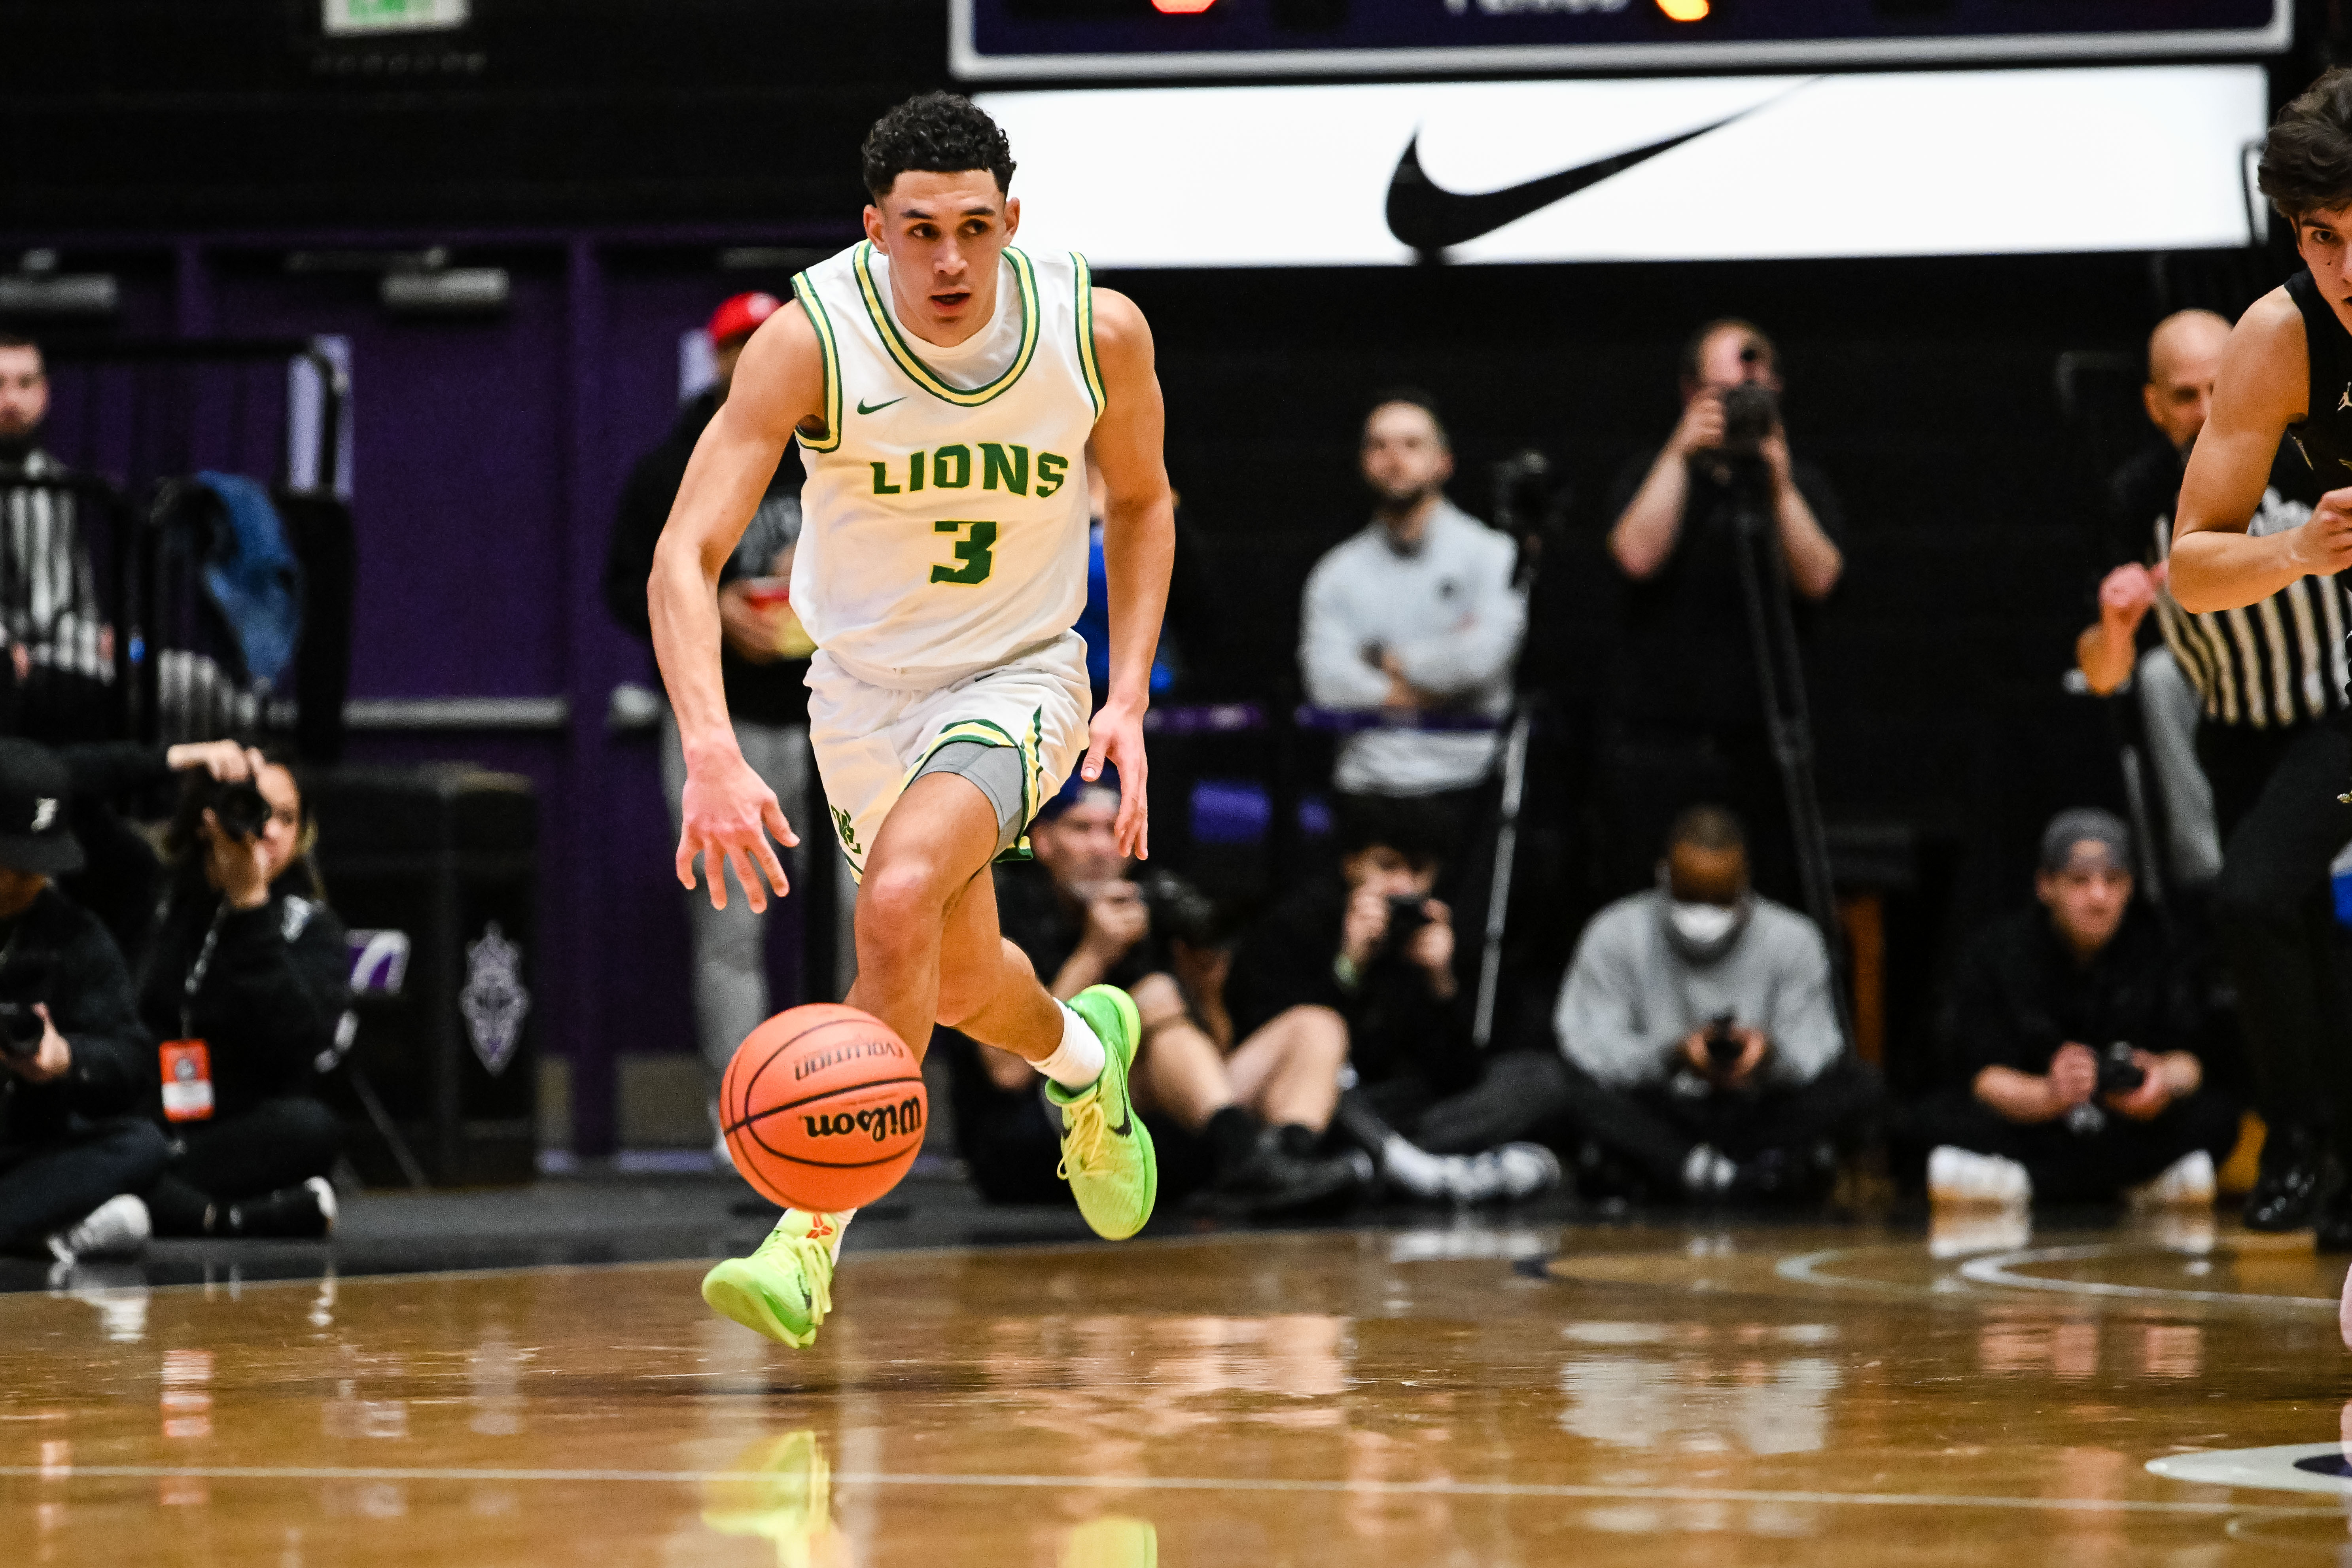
[(824, 1108)]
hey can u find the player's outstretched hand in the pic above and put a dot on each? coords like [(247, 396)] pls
[(2323, 546), (1116, 737), (730, 814)]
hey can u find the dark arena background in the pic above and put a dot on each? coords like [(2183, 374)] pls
[(435, 275)]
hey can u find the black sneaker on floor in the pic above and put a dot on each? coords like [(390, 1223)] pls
[(305, 1213), (2286, 1189), (1277, 1180)]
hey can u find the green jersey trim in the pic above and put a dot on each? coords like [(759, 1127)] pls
[(923, 376), (805, 291), (1086, 317)]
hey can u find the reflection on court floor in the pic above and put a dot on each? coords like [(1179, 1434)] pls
[(1463, 1394)]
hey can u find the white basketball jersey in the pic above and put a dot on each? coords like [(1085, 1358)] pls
[(944, 528)]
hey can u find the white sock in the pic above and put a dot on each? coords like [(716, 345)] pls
[(805, 1222), (1411, 1167), (1080, 1058)]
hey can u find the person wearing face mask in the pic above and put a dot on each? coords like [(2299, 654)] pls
[(2078, 1046), (1700, 1036), (246, 982), (1695, 1052)]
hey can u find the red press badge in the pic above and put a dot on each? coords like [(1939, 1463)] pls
[(187, 1082)]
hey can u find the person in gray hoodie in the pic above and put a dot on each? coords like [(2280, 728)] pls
[(1414, 616), (1700, 1053)]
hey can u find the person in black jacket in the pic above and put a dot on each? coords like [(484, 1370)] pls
[(249, 965), (1368, 953), (120, 877), (2047, 1005), (763, 656), (73, 1148)]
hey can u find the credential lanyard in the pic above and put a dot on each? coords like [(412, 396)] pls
[(195, 970)]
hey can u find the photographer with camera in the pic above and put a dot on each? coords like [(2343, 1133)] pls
[(246, 981), (75, 1065), (1237, 1118), (1684, 711), (1361, 957), (1698, 1037), (2076, 1045)]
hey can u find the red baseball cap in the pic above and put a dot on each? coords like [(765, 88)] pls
[(740, 317)]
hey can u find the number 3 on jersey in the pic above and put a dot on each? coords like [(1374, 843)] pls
[(976, 551)]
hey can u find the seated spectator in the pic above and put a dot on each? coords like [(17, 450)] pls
[(246, 980), (1416, 613), (1362, 957), (1682, 707), (1700, 1051), (1701, 1020), (2046, 1003), (1237, 1118), (73, 1148), (121, 878), (59, 648)]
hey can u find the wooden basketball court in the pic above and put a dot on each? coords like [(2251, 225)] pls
[(1472, 1395)]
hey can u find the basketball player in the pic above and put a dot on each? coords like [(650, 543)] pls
[(949, 393), (2286, 375)]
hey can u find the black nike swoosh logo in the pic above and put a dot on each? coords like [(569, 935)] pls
[(1125, 1122), (880, 406), (1429, 218)]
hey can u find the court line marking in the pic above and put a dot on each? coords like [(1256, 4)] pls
[(1538, 1489), (1999, 1270)]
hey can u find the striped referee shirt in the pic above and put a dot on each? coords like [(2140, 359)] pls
[(2277, 662), (49, 598)]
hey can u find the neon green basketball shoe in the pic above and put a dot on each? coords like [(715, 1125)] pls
[(785, 1287), (1107, 1156)]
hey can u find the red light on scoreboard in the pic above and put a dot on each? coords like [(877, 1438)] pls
[(1182, 8)]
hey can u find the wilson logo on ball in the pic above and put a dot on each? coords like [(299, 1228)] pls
[(879, 1122)]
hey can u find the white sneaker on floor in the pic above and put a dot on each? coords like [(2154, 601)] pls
[(2186, 1183), (1502, 1175), (119, 1227), (1964, 1178)]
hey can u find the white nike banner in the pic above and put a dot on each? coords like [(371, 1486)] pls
[(1912, 163)]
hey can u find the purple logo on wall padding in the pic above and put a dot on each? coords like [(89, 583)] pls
[(495, 1001)]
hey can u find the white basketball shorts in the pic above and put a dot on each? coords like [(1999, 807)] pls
[(870, 741)]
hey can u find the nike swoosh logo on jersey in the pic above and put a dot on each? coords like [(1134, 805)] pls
[(878, 407), (1427, 216)]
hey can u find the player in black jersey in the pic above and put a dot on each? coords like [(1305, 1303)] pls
[(2287, 375)]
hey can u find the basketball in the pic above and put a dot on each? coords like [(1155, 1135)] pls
[(824, 1108)]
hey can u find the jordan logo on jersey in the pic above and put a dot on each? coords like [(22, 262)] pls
[(2343, 405)]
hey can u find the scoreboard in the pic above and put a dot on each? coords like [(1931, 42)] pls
[(1041, 39)]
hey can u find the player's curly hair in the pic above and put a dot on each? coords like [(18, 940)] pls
[(939, 132), (2307, 163)]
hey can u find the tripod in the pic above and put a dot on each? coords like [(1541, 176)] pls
[(1787, 716)]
